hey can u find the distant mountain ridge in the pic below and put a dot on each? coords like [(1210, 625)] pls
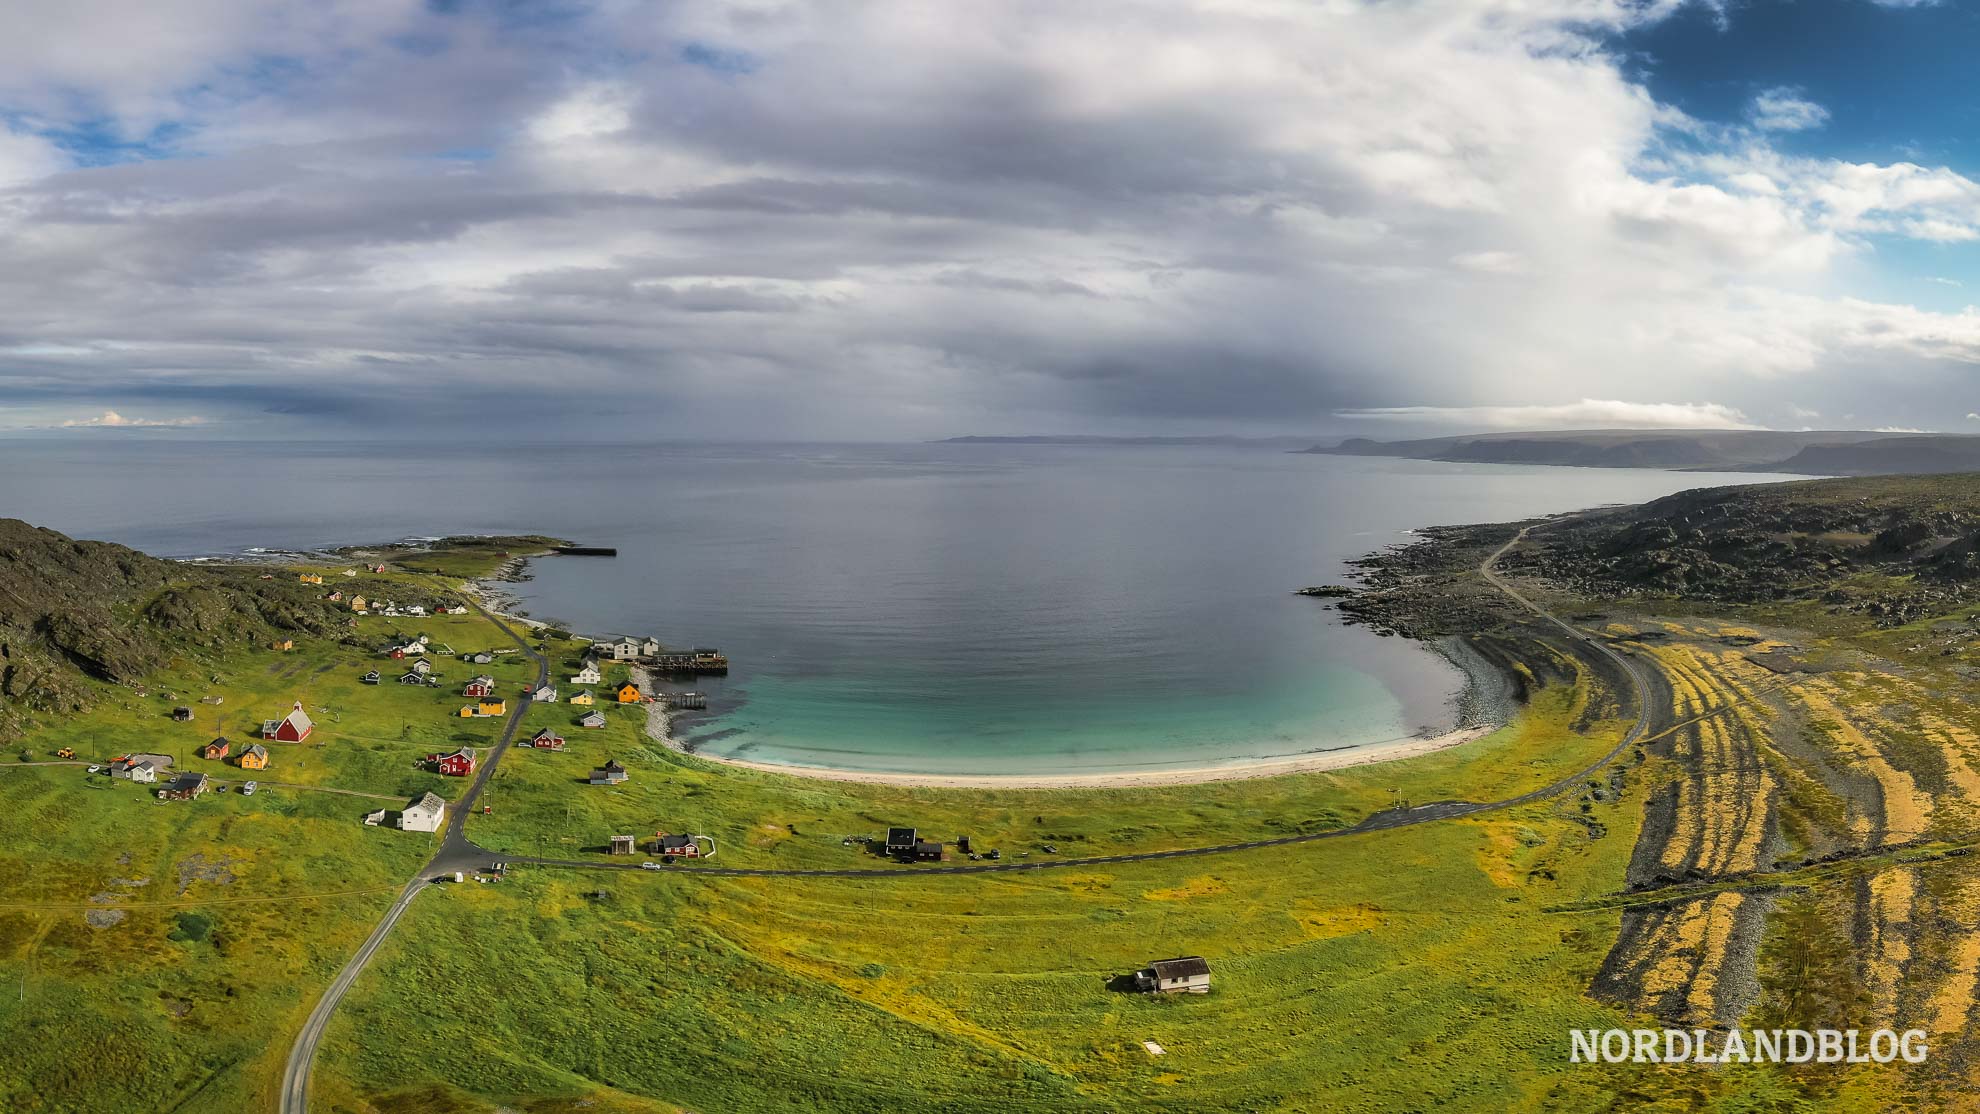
[(1813, 453)]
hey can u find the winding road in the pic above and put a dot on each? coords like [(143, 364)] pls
[(457, 852)]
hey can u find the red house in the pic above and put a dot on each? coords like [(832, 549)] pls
[(292, 728), (547, 739), (480, 686), (458, 764)]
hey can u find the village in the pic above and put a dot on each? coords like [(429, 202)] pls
[(598, 674)]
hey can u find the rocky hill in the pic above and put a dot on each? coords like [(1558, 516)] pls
[(76, 613), (1893, 547)]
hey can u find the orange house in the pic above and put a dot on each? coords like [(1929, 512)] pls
[(629, 693), (215, 750), (254, 758)]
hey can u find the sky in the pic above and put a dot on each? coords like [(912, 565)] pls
[(894, 219)]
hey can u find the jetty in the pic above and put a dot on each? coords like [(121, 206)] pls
[(585, 550), (697, 660)]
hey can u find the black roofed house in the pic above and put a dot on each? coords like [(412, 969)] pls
[(413, 677), (183, 788), (183, 715), (928, 851), (900, 841), (593, 719), (370, 678), (1188, 974), (611, 773), (683, 846)]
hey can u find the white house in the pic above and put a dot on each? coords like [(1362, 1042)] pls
[(589, 675), (1188, 974), (141, 767), (649, 646), (424, 815), (544, 695)]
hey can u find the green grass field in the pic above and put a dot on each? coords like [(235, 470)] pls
[(160, 956)]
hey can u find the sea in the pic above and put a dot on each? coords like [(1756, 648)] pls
[(919, 608)]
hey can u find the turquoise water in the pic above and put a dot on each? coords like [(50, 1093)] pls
[(922, 608)]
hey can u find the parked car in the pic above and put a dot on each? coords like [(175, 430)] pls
[(248, 789), (649, 866)]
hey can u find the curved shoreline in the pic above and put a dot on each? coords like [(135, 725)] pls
[(659, 728)]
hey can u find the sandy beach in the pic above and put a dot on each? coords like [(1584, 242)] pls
[(659, 728)]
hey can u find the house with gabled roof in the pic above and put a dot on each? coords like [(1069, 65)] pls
[(679, 846), (583, 697), (547, 739), (592, 719), (185, 787), (216, 750), (141, 767), (427, 814), (292, 728), (461, 763), (588, 675), (1189, 974), (611, 773), (255, 757)]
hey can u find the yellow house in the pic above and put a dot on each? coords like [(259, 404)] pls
[(310, 578), (254, 758), (629, 693), (485, 708), (583, 698), (283, 645), (358, 603)]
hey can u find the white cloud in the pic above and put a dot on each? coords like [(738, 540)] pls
[(1784, 109), (887, 218), (1589, 413), (110, 419)]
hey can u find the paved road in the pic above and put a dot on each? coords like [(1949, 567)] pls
[(455, 854), (1381, 821)]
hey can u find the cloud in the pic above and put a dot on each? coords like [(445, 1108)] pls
[(863, 220), (110, 419), (1588, 413), (1783, 109)]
